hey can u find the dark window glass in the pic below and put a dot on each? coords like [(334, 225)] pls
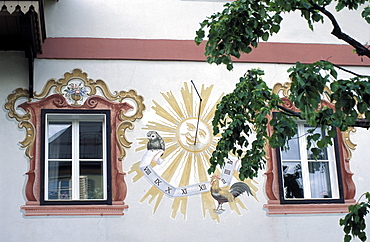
[(91, 180), (60, 140), (91, 140), (59, 180)]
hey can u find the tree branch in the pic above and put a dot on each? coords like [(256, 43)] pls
[(360, 123), (351, 72), (361, 50)]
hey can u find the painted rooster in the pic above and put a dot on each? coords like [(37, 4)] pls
[(223, 195)]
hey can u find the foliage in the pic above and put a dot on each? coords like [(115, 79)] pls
[(247, 110), (237, 114), (354, 221), (242, 23), (237, 29)]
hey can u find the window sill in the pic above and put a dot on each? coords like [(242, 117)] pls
[(274, 207), (34, 209)]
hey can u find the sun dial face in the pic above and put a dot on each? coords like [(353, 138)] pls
[(194, 135), (184, 125)]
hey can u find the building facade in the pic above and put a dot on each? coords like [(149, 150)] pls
[(106, 127)]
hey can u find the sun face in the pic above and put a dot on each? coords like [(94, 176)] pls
[(194, 135), (185, 125)]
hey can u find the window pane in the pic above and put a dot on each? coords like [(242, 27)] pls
[(60, 140), (320, 179), (323, 152), (60, 174), (91, 180), (91, 140), (293, 152), (292, 177)]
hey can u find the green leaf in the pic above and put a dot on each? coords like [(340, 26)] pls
[(362, 107), (275, 28), (347, 238), (366, 14), (265, 36), (306, 5), (339, 6), (315, 137), (332, 132), (316, 17)]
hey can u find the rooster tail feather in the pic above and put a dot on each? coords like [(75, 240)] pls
[(239, 188)]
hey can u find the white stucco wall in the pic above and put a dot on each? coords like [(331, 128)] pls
[(174, 19), (139, 223)]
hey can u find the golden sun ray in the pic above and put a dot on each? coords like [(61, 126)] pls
[(183, 182), (160, 111), (171, 100), (187, 95)]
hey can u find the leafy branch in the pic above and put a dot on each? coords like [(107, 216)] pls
[(243, 116), (250, 105), (354, 222), (243, 23)]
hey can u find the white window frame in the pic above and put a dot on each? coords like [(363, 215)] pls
[(75, 118), (333, 170)]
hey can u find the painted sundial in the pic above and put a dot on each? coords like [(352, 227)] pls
[(177, 150)]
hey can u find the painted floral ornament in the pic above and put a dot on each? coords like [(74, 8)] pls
[(75, 92)]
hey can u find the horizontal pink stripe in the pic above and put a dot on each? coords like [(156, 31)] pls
[(187, 50)]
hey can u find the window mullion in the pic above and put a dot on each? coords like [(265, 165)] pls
[(304, 161), (333, 171), (104, 140), (75, 161), (46, 160)]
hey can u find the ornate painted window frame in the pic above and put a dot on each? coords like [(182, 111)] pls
[(75, 91), (272, 189)]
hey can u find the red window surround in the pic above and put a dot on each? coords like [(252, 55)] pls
[(32, 191), (54, 96)]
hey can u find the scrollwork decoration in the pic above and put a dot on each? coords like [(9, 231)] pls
[(284, 89), (348, 143), (74, 88), (10, 104), (121, 137), (23, 119)]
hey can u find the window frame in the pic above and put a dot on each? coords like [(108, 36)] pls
[(335, 162), (107, 121)]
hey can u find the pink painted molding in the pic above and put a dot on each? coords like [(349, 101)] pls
[(34, 209), (275, 208), (187, 50)]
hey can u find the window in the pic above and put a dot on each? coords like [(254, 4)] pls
[(296, 183), (304, 179), (76, 163), (75, 142)]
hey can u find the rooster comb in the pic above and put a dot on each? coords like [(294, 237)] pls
[(215, 177)]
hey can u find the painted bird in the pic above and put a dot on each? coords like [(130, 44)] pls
[(223, 195), (155, 141)]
